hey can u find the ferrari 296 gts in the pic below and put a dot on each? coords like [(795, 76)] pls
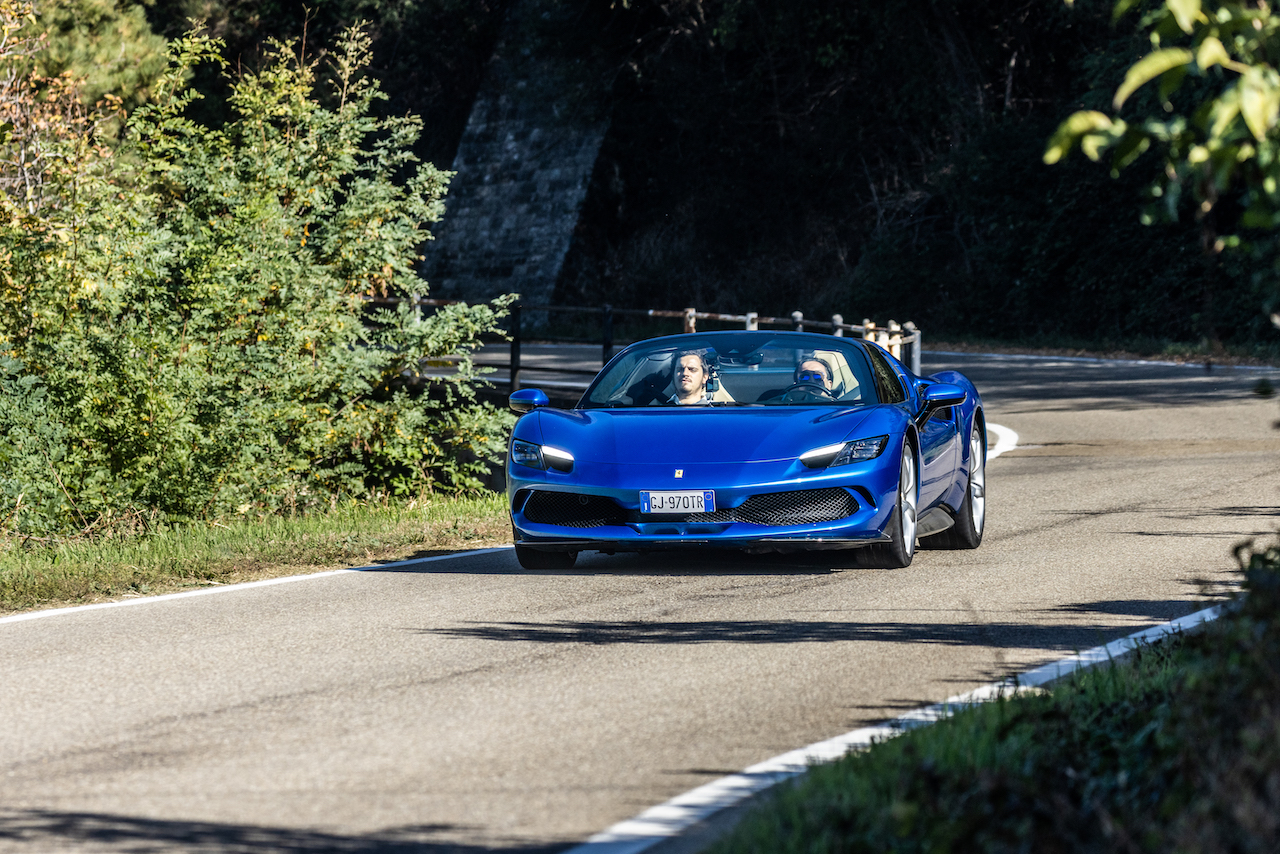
[(753, 440)]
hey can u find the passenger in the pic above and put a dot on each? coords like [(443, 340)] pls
[(689, 374), (814, 371)]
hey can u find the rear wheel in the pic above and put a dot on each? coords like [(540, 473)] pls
[(901, 548), (535, 559), (971, 517)]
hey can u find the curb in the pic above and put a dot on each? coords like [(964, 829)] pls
[(667, 822)]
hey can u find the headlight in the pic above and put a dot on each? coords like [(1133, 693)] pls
[(540, 457), (857, 451)]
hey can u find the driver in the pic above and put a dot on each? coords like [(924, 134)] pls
[(689, 374), (814, 371)]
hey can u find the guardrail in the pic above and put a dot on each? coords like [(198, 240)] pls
[(892, 336)]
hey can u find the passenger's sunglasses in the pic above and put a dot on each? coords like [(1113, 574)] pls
[(811, 377)]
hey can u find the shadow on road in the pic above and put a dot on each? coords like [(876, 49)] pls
[(694, 561), (1001, 635), (49, 830)]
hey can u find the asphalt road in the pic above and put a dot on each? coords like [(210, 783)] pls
[(463, 704)]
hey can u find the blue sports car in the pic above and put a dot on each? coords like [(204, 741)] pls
[(763, 441)]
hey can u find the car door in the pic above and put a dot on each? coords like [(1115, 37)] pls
[(939, 443), (939, 453)]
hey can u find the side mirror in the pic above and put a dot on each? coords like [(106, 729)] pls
[(939, 396), (527, 400), (943, 394)]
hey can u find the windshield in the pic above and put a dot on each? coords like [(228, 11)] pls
[(739, 369)]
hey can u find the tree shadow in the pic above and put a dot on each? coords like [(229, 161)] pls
[(1000, 635), (52, 830), (1155, 609)]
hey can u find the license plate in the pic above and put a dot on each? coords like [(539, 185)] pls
[(682, 501)]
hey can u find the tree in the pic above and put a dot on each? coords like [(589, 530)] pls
[(185, 320), (1212, 117), (107, 45)]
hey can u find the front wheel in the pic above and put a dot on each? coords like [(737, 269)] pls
[(535, 559), (901, 548)]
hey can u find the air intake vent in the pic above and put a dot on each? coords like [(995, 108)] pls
[(776, 509), (572, 510)]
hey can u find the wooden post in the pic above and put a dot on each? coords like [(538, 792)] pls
[(797, 321), (606, 334), (868, 330), (895, 339), (753, 320), (837, 325), (515, 348), (690, 320)]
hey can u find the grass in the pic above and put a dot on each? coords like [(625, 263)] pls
[(1174, 748), (51, 574)]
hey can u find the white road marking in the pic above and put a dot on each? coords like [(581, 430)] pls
[(1006, 440), (205, 591), (666, 821)]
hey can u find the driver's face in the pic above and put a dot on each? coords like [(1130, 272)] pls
[(690, 376), (813, 371)]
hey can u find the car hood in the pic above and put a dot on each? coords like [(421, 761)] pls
[(670, 435)]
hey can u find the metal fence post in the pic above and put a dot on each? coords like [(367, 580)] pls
[(915, 347), (606, 334), (837, 324), (515, 348), (797, 320), (690, 320)]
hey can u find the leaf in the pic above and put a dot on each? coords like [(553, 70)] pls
[(1069, 132), (1259, 101), (1185, 12), (1122, 6), (1150, 67), (1131, 146), (1211, 53), (1224, 111)]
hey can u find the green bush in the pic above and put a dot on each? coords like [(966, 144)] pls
[(186, 320)]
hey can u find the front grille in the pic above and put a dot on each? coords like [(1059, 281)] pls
[(799, 507), (572, 510), (786, 508)]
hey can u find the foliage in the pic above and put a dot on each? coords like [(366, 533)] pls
[(1172, 749), (884, 160), (105, 44), (1213, 115), (191, 310), (429, 54)]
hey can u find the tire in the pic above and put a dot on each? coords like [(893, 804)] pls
[(971, 517), (531, 558), (901, 548)]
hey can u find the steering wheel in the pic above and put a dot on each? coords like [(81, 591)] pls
[(805, 391)]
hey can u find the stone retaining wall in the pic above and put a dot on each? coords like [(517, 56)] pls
[(522, 167)]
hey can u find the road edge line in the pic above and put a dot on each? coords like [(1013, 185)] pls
[(1006, 440), (669, 820), (244, 585)]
